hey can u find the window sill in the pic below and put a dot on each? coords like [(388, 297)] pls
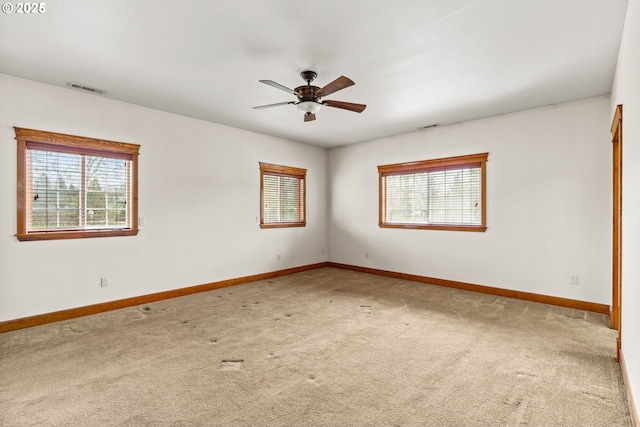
[(284, 225), (61, 235), (476, 228)]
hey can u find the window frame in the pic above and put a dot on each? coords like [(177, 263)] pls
[(290, 172), (72, 144), (448, 163)]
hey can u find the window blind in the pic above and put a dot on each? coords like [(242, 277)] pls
[(442, 197), (70, 191)]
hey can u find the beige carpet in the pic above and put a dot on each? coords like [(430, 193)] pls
[(326, 347)]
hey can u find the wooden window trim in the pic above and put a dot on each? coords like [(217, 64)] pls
[(447, 163), (37, 139), (287, 171)]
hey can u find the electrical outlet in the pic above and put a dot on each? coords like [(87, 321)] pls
[(575, 280), (104, 282), (140, 221), (366, 254), (278, 257)]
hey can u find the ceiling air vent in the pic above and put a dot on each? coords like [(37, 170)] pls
[(86, 88)]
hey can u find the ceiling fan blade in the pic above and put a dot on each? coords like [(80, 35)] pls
[(308, 117), (336, 85), (279, 86), (358, 108), (260, 107)]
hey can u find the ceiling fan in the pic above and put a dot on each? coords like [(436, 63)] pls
[(309, 97)]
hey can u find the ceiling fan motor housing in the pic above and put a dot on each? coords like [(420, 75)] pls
[(307, 93)]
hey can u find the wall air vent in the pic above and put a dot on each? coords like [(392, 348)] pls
[(86, 88)]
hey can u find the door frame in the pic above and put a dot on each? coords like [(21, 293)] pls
[(615, 314)]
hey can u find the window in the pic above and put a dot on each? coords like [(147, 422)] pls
[(443, 194), (282, 196), (74, 187)]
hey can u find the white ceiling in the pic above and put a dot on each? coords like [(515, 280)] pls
[(414, 62)]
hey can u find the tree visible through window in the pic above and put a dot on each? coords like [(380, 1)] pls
[(70, 187), (439, 194), (282, 196)]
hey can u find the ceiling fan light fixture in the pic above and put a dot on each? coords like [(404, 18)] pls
[(309, 107)]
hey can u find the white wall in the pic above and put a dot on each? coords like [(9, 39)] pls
[(199, 195), (626, 91), (548, 203)]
